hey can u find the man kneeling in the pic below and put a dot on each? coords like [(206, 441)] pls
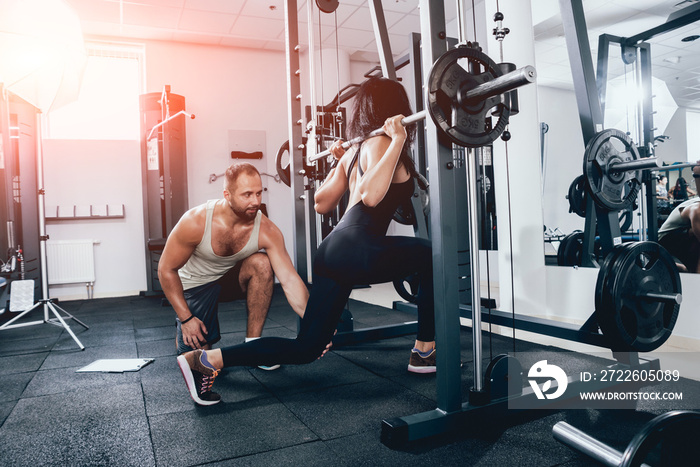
[(213, 253)]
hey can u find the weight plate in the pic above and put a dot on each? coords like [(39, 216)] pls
[(570, 249), (625, 218), (404, 214), (283, 166), (611, 190), (577, 196), (626, 315), (465, 123), (409, 295), (668, 439)]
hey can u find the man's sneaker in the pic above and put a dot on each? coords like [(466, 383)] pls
[(420, 364), (199, 377), (269, 368)]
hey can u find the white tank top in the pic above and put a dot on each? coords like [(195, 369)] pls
[(205, 266), (674, 220)]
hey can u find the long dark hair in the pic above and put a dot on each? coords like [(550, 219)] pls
[(375, 101)]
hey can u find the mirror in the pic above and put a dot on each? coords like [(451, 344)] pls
[(674, 94)]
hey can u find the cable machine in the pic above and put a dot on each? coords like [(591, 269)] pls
[(163, 166)]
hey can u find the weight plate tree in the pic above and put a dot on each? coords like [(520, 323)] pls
[(638, 296)]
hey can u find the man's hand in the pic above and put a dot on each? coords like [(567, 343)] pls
[(194, 333)]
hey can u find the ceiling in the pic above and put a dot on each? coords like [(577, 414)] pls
[(260, 24)]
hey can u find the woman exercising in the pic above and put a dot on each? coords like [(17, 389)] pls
[(379, 174)]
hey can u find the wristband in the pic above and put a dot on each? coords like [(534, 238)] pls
[(696, 175), (183, 322)]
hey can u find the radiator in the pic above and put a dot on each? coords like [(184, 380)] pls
[(70, 261)]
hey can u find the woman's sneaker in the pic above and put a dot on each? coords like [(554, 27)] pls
[(199, 376), (421, 364)]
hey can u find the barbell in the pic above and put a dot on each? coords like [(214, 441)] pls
[(460, 100), (668, 439)]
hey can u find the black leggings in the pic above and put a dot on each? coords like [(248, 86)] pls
[(349, 256)]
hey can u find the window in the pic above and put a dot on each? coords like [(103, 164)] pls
[(108, 105)]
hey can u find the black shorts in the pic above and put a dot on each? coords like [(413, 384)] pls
[(683, 246), (203, 302)]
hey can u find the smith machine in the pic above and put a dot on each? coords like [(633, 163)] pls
[(469, 99)]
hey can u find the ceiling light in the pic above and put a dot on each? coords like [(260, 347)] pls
[(690, 38), (674, 59)]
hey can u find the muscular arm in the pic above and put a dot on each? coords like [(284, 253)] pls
[(295, 290), (334, 186), (692, 214), (382, 157), (179, 247)]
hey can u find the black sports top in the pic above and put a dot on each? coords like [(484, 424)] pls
[(378, 218)]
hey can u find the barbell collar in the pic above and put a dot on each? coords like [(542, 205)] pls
[(500, 85), (638, 164), (496, 86), (662, 297)]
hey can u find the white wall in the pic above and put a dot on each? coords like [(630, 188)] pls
[(564, 150), (86, 172), (226, 89), (674, 149)]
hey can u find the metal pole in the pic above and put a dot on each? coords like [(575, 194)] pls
[(580, 441), (295, 136), (637, 164), (472, 162), (676, 166), (381, 36), (42, 219), (500, 85)]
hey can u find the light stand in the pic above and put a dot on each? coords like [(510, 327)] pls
[(45, 302)]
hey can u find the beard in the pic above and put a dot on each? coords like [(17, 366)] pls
[(248, 213)]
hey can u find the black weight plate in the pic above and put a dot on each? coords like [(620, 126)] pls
[(625, 218), (465, 124), (283, 170), (577, 196), (400, 286), (610, 190), (604, 298), (570, 249), (631, 322), (404, 214), (601, 286), (668, 439)]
